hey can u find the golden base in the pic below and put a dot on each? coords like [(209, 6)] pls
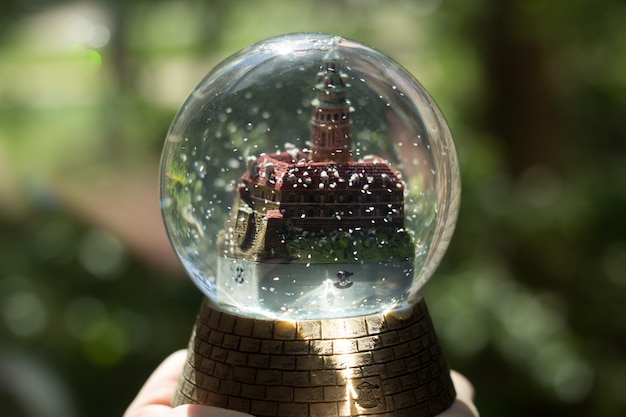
[(376, 365)]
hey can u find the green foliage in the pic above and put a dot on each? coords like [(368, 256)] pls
[(80, 312), (364, 245)]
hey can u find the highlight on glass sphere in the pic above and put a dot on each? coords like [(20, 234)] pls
[(309, 176)]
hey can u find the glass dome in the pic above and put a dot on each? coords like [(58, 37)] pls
[(309, 176)]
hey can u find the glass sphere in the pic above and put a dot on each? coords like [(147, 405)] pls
[(309, 176)]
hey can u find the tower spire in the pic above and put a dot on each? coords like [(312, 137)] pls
[(330, 124)]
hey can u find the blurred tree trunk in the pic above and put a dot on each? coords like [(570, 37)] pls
[(123, 78), (123, 70), (522, 108)]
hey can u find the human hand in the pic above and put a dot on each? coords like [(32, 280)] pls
[(155, 397)]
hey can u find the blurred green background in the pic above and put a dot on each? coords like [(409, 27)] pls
[(528, 302)]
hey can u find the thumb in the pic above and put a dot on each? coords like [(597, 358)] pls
[(196, 410)]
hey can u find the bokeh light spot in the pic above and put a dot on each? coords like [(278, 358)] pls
[(102, 254), (82, 313), (105, 343), (24, 314)]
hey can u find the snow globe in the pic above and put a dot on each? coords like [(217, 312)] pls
[(310, 186)]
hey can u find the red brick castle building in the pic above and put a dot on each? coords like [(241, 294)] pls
[(285, 197)]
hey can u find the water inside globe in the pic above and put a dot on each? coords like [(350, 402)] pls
[(309, 176)]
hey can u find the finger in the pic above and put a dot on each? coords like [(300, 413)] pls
[(186, 410), (155, 396), (463, 387), (460, 409), (195, 410), (463, 405)]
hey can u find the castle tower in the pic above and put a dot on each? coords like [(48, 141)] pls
[(330, 124)]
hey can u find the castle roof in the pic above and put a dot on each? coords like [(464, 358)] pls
[(293, 170)]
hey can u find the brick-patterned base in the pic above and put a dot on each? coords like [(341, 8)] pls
[(376, 365)]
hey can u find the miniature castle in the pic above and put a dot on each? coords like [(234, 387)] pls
[(285, 197)]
